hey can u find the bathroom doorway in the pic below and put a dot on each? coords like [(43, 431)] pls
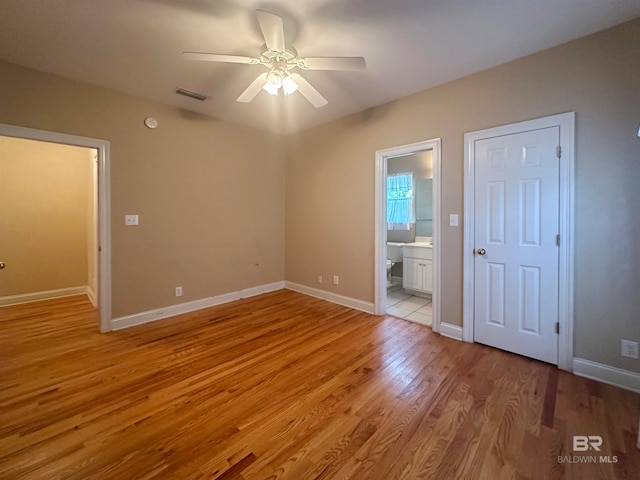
[(407, 219)]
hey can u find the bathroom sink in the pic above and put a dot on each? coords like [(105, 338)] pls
[(420, 244), (394, 251)]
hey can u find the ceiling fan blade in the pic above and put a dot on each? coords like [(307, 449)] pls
[(216, 57), (272, 30), (253, 89), (333, 63), (309, 92)]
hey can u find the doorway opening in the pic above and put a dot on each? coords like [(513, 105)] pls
[(407, 244), (92, 197)]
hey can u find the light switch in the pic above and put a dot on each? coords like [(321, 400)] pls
[(130, 220), (453, 220)]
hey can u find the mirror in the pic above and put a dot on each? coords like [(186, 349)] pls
[(424, 207)]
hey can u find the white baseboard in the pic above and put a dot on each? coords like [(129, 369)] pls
[(172, 310), (361, 305), (606, 374), (38, 296), (451, 331), (92, 297)]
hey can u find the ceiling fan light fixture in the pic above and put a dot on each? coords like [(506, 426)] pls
[(289, 85), (274, 82), (271, 88)]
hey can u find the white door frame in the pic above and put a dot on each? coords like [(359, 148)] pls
[(381, 223), (104, 210), (566, 122)]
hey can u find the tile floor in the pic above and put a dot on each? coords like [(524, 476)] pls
[(410, 307)]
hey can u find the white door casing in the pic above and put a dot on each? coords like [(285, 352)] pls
[(380, 274), (516, 224), (565, 124)]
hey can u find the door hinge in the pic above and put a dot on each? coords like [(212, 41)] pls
[(557, 327), (558, 240), (558, 151), (99, 248)]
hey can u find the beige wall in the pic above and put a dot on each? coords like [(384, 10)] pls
[(44, 191), (330, 179), (210, 194)]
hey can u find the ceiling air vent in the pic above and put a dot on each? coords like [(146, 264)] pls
[(190, 94)]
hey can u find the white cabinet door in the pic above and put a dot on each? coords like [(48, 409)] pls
[(412, 273), (427, 276), (418, 274)]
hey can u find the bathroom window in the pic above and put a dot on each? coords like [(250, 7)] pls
[(400, 214)]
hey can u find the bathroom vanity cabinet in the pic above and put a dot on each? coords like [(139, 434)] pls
[(417, 267)]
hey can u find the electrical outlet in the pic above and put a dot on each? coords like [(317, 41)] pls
[(629, 349), (178, 291), (131, 220), (336, 279), (319, 278)]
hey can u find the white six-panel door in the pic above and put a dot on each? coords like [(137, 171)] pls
[(516, 254)]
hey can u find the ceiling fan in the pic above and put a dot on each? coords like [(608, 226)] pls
[(280, 59)]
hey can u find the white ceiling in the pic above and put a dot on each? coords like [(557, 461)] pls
[(134, 46)]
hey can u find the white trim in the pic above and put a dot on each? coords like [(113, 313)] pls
[(92, 282), (92, 296), (173, 310), (104, 205), (350, 302), (380, 269), (451, 331), (44, 295), (567, 241), (606, 374), (566, 122)]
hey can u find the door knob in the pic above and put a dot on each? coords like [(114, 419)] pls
[(481, 251), (1, 265)]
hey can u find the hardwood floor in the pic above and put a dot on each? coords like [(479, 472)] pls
[(288, 386)]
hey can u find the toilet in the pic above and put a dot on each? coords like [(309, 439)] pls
[(389, 265), (394, 255)]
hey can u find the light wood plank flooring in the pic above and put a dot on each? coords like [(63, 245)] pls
[(285, 386)]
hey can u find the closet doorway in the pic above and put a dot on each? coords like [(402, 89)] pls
[(60, 212)]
